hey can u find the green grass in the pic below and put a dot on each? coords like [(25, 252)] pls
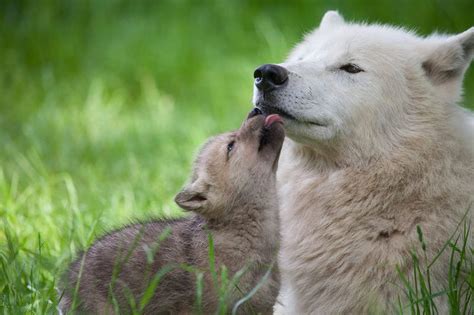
[(418, 291), (103, 104)]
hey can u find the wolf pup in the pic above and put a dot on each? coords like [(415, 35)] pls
[(232, 194)]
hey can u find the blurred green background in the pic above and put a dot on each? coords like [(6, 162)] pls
[(103, 104)]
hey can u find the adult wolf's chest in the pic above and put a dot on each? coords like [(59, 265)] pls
[(327, 248)]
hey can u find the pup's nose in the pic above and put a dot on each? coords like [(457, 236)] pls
[(269, 77), (254, 112)]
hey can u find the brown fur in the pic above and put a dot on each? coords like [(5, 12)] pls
[(234, 199)]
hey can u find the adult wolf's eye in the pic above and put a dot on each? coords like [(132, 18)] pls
[(351, 68), (230, 147)]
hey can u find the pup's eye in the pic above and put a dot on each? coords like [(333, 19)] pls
[(351, 68), (230, 147)]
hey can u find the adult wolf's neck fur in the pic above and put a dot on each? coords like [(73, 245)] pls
[(444, 136), (424, 165)]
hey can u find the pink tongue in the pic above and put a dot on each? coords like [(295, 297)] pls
[(273, 118)]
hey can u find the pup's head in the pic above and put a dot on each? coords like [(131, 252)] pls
[(349, 82), (235, 168)]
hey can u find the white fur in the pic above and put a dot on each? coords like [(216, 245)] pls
[(370, 156)]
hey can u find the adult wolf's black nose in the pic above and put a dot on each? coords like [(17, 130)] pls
[(269, 77)]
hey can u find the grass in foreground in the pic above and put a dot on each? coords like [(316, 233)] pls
[(459, 292)]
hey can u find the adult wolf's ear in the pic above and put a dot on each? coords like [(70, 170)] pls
[(331, 19), (450, 58), (193, 197)]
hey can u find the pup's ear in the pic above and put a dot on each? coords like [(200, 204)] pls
[(193, 197), (450, 58), (331, 19)]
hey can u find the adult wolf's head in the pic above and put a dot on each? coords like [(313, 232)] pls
[(364, 86)]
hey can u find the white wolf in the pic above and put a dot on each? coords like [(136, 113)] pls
[(377, 146)]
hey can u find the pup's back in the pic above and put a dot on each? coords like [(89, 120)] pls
[(120, 266)]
